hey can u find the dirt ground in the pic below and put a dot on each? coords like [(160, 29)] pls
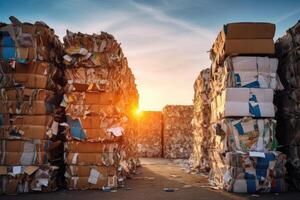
[(154, 176)]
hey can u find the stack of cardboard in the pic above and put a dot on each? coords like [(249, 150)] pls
[(242, 130), (30, 142), (149, 134), (199, 159), (287, 101), (177, 131), (100, 97)]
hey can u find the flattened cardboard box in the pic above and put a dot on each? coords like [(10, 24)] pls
[(94, 98), (249, 46), (24, 158), (247, 30), (36, 67), (26, 108), (27, 120), (96, 134), (84, 170), (88, 147), (79, 110), (28, 94), (96, 122), (83, 184), (27, 80), (28, 132), (18, 145), (85, 158)]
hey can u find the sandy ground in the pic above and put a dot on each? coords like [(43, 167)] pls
[(154, 176)]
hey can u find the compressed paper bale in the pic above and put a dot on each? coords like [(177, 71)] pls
[(149, 134), (31, 83), (100, 98), (201, 121), (177, 131), (287, 101)]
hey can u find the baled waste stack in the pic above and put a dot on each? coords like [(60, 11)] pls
[(287, 101), (100, 96), (177, 131), (202, 140), (31, 150), (242, 112), (149, 134)]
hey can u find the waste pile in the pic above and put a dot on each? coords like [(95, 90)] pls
[(242, 151), (199, 159), (177, 131), (99, 101), (149, 134), (31, 147), (287, 101)]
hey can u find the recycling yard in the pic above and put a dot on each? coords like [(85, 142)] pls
[(164, 105)]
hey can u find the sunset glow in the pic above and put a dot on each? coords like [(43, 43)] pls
[(165, 47)]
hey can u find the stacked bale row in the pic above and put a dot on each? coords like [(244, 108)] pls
[(100, 96), (177, 131), (242, 154), (149, 134), (31, 149), (243, 80), (202, 140), (287, 101)]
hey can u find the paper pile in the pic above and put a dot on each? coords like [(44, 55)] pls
[(199, 158), (177, 131), (149, 134), (287, 101), (239, 147), (30, 79), (99, 101)]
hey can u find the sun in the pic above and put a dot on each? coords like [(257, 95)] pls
[(137, 112)]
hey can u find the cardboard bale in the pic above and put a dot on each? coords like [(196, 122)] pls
[(100, 98), (149, 134), (246, 71), (287, 101), (254, 174), (31, 91), (199, 159), (247, 134), (177, 131), (238, 102)]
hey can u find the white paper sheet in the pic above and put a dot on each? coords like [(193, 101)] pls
[(17, 170), (94, 175), (116, 131), (257, 154)]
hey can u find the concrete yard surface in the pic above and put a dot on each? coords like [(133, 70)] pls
[(149, 184)]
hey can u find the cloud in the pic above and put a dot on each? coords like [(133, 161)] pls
[(287, 15), (165, 54)]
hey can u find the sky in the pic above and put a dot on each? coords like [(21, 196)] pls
[(166, 42)]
